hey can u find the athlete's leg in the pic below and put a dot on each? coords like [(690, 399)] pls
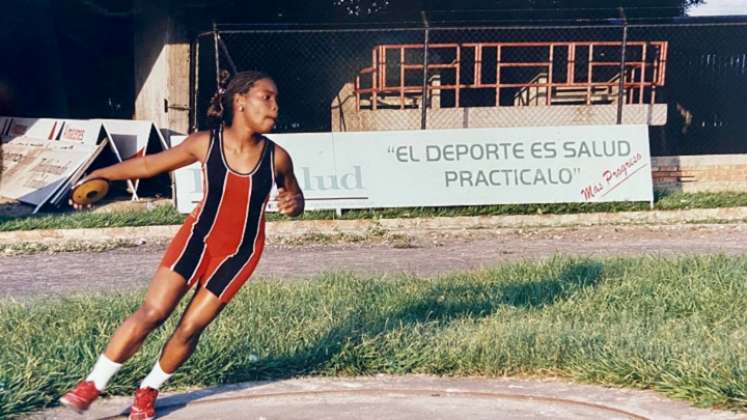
[(200, 312), (164, 293)]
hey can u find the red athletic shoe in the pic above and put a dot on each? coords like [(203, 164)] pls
[(80, 398), (144, 407)]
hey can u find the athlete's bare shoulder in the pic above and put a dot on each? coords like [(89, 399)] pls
[(282, 158), (197, 144)]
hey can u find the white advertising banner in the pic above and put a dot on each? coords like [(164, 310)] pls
[(40, 128), (42, 157), (133, 137), (470, 166), (34, 169), (84, 131)]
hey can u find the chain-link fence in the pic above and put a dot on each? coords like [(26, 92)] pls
[(688, 82)]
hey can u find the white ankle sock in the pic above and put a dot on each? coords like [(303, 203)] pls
[(102, 371), (156, 377)]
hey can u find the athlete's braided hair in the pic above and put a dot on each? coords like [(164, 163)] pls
[(221, 104)]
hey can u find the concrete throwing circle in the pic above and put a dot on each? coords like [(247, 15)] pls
[(391, 404)]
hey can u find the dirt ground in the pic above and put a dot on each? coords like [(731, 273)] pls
[(421, 253)]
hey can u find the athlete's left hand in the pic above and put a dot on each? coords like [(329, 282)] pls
[(289, 204)]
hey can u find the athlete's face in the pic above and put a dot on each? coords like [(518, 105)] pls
[(260, 106)]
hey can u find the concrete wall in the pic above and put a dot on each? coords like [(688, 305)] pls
[(346, 118), (162, 66), (700, 173)]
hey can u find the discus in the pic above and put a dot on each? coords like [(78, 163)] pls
[(90, 191)]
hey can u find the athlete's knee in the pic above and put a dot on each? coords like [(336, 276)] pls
[(189, 330), (150, 317)]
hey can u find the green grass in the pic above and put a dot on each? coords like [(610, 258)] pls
[(662, 201), (159, 215), (677, 326), (164, 215)]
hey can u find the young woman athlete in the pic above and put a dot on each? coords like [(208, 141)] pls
[(220, 242)]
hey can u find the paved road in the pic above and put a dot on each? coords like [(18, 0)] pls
[(420, 253)]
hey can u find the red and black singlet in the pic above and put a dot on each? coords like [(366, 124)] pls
[(221, 242)]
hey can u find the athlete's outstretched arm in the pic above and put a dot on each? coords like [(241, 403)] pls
[(192, 149), (290, 196)]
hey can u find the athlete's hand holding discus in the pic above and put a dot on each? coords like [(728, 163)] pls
[(89, 190), (95, 185)]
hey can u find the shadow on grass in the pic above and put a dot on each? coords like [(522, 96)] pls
[(443, 302)]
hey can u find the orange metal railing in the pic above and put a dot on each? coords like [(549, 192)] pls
[(642, 76)]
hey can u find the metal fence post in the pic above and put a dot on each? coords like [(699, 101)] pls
[(424, 104), (195, 82), (621, 92), (217, 56)]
